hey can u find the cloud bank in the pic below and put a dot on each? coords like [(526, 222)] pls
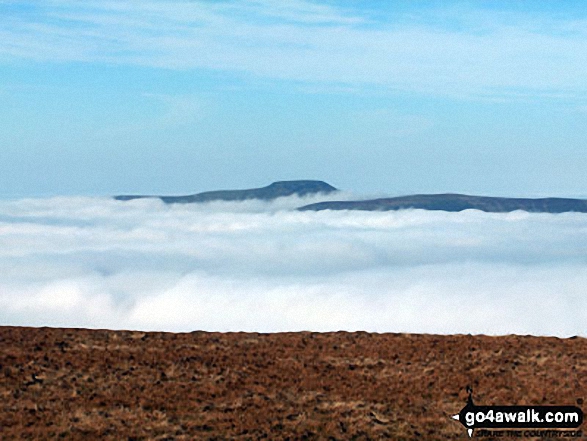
[(255, 266)]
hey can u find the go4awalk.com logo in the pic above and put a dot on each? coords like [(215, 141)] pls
[(515, 421)]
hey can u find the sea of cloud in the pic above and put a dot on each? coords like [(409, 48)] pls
[(258, 266)]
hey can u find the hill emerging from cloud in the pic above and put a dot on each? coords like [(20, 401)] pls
[(455, 203), (268, 193), (439, 202)]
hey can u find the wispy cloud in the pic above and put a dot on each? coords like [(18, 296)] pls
[(461, 52), (255, 266)]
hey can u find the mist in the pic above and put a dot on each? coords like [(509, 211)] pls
[(259, 266)]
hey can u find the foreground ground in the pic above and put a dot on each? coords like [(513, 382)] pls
[(95, 384)]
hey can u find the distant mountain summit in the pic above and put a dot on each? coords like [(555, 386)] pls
[(273, 191), (456, 202), (443, 202)]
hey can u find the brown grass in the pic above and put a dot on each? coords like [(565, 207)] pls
[(97, 384)]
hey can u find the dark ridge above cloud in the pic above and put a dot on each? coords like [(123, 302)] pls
[(270, 192), (449, 202), (455, 203)]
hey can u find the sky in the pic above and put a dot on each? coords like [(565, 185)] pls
[(176, 97), (99, 98), (258, 266)]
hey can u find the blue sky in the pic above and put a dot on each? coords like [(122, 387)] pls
[(107, 97)]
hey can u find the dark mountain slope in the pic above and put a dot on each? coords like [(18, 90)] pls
[(456, 202), (273, 191)]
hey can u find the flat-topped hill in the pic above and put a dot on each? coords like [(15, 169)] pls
[(273, 191), (451, 202)]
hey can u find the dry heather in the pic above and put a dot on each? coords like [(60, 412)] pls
[(120, 385)]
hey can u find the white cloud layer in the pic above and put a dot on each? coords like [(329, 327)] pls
[(254, 266)]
